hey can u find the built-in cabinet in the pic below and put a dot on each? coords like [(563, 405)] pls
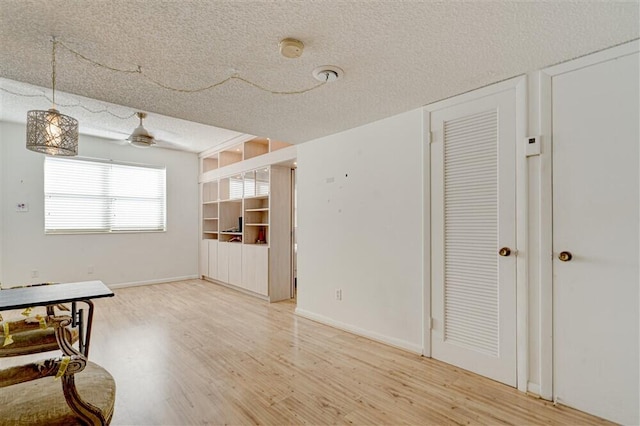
[(255, 269), (203, 270), (212, 259), (246, 220)]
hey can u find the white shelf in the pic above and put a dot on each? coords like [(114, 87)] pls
[(257, 197), (209, 232), (209, 202), (256, 224), (230, 233), (209, 218), (264, 209)]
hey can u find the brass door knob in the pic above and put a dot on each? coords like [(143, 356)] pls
[(565, 256), (504, 251)]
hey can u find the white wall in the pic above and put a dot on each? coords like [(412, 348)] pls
[(360, 229), (117, 259), (2, 171), (363, 234)]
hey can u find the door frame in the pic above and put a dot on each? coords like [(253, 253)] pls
[(519, 84), (546, 200)]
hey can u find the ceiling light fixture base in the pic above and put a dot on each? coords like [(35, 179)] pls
[(327, 73)]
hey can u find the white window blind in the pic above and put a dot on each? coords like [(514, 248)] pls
[(235, 188), (262, 188), (253, 187), (94, 196), (249, 187), (262, 182)]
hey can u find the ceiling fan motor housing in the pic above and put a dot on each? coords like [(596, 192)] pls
[(140, 137)]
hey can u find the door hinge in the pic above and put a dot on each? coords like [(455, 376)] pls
[(430, 323)]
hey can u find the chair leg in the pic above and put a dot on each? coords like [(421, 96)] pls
[(87, 413)]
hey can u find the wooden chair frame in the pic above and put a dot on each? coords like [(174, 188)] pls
[(86, 412)]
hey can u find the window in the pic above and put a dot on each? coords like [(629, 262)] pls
[(102, 196)]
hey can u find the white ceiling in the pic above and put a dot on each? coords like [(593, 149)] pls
[(397, 56)]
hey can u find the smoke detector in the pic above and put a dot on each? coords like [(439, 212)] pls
[(291, 48), (327, 73)]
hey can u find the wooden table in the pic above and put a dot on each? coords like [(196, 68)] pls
[(54, 294)]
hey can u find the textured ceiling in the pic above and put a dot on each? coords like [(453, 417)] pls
[(397, 55)]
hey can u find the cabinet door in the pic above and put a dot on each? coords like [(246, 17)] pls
[(213, 259), (203, 266), (223, 262), (255, 272), (235, 264)]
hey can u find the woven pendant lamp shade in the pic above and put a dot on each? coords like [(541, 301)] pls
[(52, 133)]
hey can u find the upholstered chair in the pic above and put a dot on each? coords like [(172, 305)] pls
[(59, 390)]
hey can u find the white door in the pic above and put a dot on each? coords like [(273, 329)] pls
[(595, 221), (473, 217)]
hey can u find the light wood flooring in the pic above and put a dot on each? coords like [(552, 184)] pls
[(193, 352)]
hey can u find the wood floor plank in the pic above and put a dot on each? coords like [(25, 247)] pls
[(193, 352)]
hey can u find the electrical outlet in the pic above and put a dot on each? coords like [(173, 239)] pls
[(338, 294), (34, 273), (90, 269), (22, 207)]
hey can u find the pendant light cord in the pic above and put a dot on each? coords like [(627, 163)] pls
[(138, 70), (74, 105), (53, 71)]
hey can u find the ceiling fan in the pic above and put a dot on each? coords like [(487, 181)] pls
[(140, 137)]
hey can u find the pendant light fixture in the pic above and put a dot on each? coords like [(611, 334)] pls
[(50, 132)]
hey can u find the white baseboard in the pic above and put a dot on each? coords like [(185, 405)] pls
[(149, 282), (233, 287), (391, 341)]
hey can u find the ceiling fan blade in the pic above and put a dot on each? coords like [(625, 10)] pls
[(160, 138), (161, 143)]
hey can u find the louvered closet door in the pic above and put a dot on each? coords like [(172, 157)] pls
[(473, 216)]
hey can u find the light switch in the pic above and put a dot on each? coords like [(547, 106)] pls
[(22, 207)]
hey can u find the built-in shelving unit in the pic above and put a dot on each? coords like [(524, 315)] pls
[(255, 147), (246, 226), (231, 155), (210, 210), (239, 152), (210, 163)]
